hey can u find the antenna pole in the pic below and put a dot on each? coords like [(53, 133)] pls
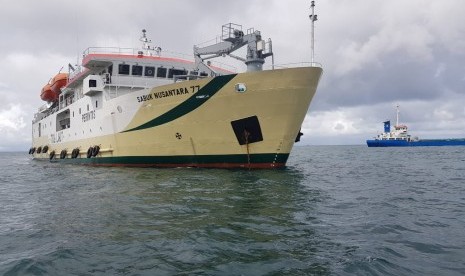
[(397, 120), (313, 18)]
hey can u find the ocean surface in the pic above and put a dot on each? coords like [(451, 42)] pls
[(335, 210)]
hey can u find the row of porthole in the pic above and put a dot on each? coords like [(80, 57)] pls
[(91, 152)]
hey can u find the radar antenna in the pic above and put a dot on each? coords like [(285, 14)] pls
[(146, 45)]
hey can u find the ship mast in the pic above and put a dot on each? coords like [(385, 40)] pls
[(146, 45), (397, 120), (313, 18)]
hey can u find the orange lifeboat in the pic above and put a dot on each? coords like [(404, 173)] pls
[(52, 90), (47, 94), (59, 81)]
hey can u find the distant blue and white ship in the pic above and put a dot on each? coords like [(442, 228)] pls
[(399, 137)]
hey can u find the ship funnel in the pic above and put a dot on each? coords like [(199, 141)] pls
[(387, 126)]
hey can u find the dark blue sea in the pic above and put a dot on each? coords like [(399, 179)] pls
[(335, 210)]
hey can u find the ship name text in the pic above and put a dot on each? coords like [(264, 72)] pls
[(88, 116), (168, 93), (56, 137)]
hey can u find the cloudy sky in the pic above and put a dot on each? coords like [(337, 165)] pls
[(375, 54)]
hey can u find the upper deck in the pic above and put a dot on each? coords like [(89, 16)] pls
[(136, 67)]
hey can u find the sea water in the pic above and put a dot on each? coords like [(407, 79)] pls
[(335, 210)]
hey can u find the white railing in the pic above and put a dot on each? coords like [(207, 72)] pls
[(166, 54), (292, 65), (133, 51)]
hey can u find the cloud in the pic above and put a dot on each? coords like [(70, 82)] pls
[(22, 77), (13, 128), (12, 118), (412, 42), (375, 53)]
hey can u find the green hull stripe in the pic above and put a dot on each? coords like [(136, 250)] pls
[(194, 160), (190, 104)]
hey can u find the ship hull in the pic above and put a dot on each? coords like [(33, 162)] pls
[(419, 143), (200, 123)]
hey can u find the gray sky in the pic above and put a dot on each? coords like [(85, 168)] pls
[(375, 54)]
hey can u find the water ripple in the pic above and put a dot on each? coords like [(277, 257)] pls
[(333, 211)]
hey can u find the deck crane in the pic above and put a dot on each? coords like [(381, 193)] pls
[(232, 39)]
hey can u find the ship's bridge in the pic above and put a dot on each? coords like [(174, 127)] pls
[(137, 68)]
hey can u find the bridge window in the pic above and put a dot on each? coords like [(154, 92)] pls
[(123, 69), (137, 70), (149, 71), (161, 72), (176, 72)]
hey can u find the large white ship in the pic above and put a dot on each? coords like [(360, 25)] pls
[(141, 107)]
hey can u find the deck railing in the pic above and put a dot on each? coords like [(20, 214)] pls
[(292, 65), (165, 54)]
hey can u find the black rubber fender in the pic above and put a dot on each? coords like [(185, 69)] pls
[(63, 154), (75, 153), (95, 151), (89, 152)]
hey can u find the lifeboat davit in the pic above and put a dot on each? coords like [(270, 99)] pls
[(52, 90)]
